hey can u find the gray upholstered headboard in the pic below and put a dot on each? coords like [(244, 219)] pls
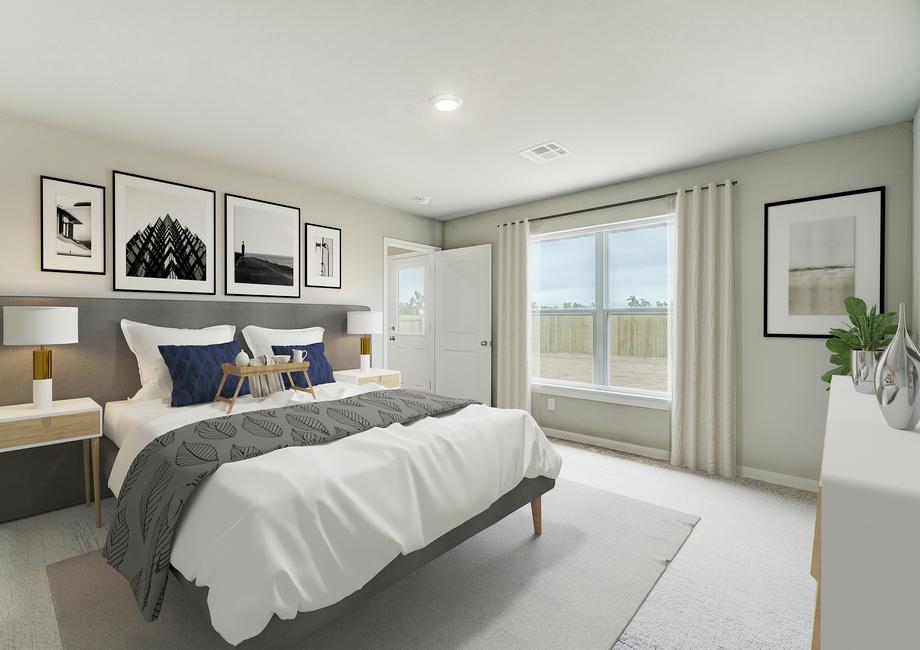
[(102, 367)]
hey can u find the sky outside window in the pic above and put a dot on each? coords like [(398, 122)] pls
[(565, 272)]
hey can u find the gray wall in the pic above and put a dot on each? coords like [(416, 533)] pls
[(915, 320), (782, 403), (31, 149)]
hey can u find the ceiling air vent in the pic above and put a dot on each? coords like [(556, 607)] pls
[(545, 152)]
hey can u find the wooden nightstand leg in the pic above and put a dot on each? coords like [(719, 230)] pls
[(97, 487), (86, 473)]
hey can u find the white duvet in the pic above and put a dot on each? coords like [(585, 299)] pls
[(302, 528)]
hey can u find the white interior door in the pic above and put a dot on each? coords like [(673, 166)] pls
[(463, 322), (409, 330)]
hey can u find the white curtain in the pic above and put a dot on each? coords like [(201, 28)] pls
[(703, 332), (513, 341)]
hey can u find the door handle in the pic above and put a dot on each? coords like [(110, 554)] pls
[(484, 343), (392, 338)]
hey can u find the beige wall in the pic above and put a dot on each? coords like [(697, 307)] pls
[(782, 403), (30, 149)]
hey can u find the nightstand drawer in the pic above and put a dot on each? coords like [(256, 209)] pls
[(390, 380), (54, 428)]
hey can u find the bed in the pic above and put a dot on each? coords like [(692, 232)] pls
[(315, 530)]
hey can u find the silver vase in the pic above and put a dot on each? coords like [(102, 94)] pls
[(897, 378), (863, 364)]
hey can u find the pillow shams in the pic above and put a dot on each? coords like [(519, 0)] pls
[(320, 370), (261, 339), (144, 341), (196, 373)]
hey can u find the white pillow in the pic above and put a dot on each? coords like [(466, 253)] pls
[(261, 339), (143, 340)]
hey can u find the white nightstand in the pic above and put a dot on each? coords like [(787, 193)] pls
[(22, 427), (386, 378)]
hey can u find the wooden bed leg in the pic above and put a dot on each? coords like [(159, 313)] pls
[(537, 516)]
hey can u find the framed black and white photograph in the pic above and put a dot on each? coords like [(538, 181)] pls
[(72, 226), (163, 236), (262, 248), (817, 251), (323, 256)]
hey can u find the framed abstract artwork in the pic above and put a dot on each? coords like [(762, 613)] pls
[(817, 251), (323, 256), (163, 236), (262, 248), (72, 226)]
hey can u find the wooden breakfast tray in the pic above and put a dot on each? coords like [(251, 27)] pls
[(244, 372)]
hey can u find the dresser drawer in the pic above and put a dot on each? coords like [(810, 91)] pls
[(55, 428)]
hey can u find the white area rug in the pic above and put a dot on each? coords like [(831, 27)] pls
[(577, 586)]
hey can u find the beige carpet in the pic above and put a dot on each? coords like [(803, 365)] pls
[(576, 586)]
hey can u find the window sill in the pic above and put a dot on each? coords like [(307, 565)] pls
[(598, 394)]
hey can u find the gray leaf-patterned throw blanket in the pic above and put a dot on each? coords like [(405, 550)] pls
[(166, 472)]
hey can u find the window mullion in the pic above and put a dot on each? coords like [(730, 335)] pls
[(600, 300)]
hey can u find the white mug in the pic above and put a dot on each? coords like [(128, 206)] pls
[(298, 355)]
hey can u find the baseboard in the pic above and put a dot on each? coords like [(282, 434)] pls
[(625, 447), (807, 484)]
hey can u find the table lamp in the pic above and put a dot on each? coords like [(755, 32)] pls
[(365, 323), (40, 326)]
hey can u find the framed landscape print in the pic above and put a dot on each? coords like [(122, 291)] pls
[(72, 226), (262, 248), (323, 256), (817, 251), (163, 236)]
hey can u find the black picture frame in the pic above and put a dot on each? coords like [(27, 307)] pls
[(766, 255), (41, 220), (115, 217), (306, 265), (227, 246)]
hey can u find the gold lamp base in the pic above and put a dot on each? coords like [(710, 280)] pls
[(41, 363), (365, 352)]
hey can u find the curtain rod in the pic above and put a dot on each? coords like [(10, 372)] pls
[(616, 205)]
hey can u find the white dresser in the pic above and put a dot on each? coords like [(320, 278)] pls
[(869, 550)]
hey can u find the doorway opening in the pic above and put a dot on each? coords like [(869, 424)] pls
[(437, 315), (408, 292)]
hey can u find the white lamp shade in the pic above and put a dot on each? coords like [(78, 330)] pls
[(365, 322), (39, 325)]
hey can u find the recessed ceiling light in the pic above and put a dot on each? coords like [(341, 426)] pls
[(423, 200), (446, 103)]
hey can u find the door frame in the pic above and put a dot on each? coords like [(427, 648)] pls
[(416, 248)]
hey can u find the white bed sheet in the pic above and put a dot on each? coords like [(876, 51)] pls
[(302, 528)]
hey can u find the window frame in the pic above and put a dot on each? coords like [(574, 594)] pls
[(600, 389)]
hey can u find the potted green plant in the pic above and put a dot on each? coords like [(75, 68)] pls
[(855, 351)]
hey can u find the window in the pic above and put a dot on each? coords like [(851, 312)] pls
[(411, 286), (600, 307)]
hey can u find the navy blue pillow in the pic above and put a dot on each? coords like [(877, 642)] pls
[(320, 369), (196, 372)]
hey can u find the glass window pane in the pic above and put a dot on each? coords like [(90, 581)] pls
[(637, 267), (563, 346), (411, 286), (562, 275), (638, 346)]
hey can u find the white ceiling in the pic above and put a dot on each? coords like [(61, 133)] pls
[(335, 94)]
